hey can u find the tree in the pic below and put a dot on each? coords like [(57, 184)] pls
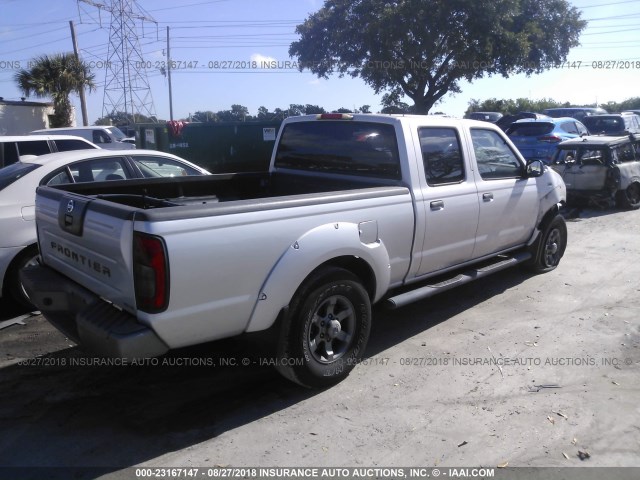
[(238, 113), (203, 117), (424, 48), (56, 76), (628, 104), (513, 106), (122, 118)]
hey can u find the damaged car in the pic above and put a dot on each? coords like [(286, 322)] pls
[(603, 171)]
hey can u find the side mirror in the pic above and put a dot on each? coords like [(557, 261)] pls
[(535, 168)]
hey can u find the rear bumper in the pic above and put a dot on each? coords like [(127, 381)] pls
[(94, 324)]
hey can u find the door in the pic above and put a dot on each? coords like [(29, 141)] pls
[(450, 201), (589, 173), (508, 199)]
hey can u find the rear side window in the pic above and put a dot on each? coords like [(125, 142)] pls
[(14, 172), (69, 144), (8, 153), (99, 170), (624, 153), (569, 127), (494, 157), (163, 167), (37, 147), (441, 155), (345, 147), (530, 129)]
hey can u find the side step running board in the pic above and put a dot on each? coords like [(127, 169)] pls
[(467, 276)]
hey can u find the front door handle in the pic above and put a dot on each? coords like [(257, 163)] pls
[(437, 205), (487, 197)]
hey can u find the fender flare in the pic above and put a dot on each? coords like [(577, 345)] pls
[(313, 249)]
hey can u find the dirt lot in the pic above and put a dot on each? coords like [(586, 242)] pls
[(529, 370)]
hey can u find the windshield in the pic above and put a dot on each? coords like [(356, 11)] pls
[(14, 172), (117, 133)]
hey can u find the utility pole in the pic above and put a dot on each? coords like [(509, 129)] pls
[(126, 85), (169, 77), (83, 102)]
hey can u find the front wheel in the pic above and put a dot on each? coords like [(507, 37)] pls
[(326, 329), (630, 197), (550, 247)]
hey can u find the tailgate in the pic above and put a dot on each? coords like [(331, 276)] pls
[(88, 240)]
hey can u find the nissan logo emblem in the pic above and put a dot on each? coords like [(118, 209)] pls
[(70, 206)]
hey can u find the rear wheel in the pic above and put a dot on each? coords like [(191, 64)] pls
[(550, 246), (29, 256), (326, 330), (630, 197)]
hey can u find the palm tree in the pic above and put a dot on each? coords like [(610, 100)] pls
[(57, 77)]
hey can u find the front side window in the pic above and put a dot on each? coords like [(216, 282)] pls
[(100, 137), (441, 155), (344, 147), (494, 157), (592, 156)]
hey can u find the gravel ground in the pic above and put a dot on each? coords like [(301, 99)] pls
[(517, 369)]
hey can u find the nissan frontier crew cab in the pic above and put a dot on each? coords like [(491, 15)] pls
[(354, 210)]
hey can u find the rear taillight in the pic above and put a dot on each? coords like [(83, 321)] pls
[(150, 273), (550, 139)]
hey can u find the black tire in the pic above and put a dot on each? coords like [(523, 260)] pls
[(550, 246), (15, 288), (630, 197), (326, 329)]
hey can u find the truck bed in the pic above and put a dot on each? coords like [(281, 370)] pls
[(165, 192)]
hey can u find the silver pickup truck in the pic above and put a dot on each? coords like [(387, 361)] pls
[(354, 210)]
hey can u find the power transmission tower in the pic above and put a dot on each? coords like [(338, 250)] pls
[(126, 86)]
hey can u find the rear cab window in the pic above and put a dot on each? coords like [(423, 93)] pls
[(338, 146)]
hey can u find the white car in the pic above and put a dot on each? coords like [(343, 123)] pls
[(15, 147), (18, 183), (109, 138)]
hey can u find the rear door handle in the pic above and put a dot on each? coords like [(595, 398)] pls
[(487, 197), (437, 205)]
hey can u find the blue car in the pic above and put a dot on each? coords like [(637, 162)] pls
[(537, 139)]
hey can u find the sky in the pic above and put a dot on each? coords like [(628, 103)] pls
[(214, 42)]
